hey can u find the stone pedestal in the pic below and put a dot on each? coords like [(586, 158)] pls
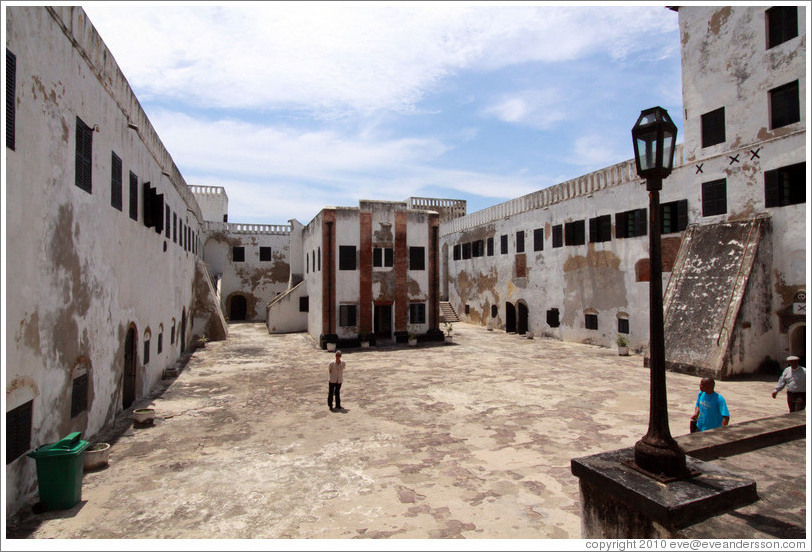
[(619, 502)]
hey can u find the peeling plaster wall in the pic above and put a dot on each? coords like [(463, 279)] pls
[(213, 202), (314, 250), (81, 272)]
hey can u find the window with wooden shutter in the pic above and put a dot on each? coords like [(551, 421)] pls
[(18, 431), (346, 257), (490, 247), (673, 216), (346, 315), (133, 196), (457, 252), (84, 156), (538, 239), (630, 224), (713, 127), (417, 258), (417, 313), (11, 99), (591, 321), (785, 186), (782, 24), (785, 107), (520, 241), (504, 244), (558, 236), (575, 233), (116, 178), (714, 198), (168, 222), (600, 229)]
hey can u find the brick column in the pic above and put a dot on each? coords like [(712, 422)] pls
[(401, 266), (365, 271)]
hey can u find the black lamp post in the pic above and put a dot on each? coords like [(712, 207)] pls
[(654, 136)]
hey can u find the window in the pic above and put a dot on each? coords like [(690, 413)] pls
[(458, 252), (630, 224), (133, 196), (175, 227), (383, 256), (161, 342), (146, 351), (78, 400), (84, 156), (377, 257), (466, 250), (553, 318), (346, 314), (504, 244), (478, 248), (623, 325), (673, 216), (172, 333), (307, 264), (782, 24), (538, 239), (18, 431), (558, 236), (785, 107), (600, 229), (591, 321), (467, 309), (785, 186), (346, 257), (520, 241), (11, 99), (494, 311), (304, 304), (574, 233), (417, 313), (116, 177), (490, 247), (168, 222), (264, 254), (417, 258), (713, 127), (714, 198), (153, 208), (238, 254), (388, 257)]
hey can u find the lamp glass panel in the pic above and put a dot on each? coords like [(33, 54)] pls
[(647, 150), (668, 150)]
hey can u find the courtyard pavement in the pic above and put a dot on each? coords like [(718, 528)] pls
[(465, 440)]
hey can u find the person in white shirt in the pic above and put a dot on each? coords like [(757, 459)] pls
[(794, 379), (336, 370)]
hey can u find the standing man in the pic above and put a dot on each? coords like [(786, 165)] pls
[(336, 370), (711, 409), (794, 379)]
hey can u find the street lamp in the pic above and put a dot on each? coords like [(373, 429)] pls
[(654, 136)]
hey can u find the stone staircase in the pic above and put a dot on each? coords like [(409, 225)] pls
[(447, 312)]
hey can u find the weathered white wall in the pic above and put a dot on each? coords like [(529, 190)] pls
[(284, 314), (314, 249), (348, 232), (213, 202), (81, 272)]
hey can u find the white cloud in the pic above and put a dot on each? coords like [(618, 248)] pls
[(598, 150), (537, 108)]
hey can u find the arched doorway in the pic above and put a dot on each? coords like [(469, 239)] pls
[(130, 360), (237, 308), (523, 319), (510, 318), (797, 342)]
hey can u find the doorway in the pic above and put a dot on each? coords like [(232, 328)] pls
[(238, 308), (510, 318), (382, 321), (130, 358), (523, 321), (797, 343)]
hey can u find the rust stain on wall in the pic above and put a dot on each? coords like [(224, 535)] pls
[(718, 19), (28, 333), (784, 291), (386, 280), (593, 259), (383, 236)]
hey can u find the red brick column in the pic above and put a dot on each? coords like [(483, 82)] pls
[(365, 270), (401, 266)]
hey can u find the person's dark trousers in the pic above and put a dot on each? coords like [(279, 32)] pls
[(796, 401), (335, 389)]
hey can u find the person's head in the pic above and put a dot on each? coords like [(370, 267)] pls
[(338, 356), (707, 385), (793, 361)]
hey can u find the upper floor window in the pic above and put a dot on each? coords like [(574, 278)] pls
[(713, 127), (714, 198), (575, 233), (346, 258), (558, 236), (384, 256), (785, 107), (116, 177), (490, 247), (600, 229), (84, 156), (11, 103), (504, 244), (264, 254), (18, 431), (520, 241), (238, 254), (538, 239), (478, 248), (785, 186), (466, 250), (133, 196), (168, 222), (673, 216), (630, 224), (417, 258), (458, 252), (346, 315), (782, 24)]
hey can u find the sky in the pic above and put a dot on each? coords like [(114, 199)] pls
[(295, 106)]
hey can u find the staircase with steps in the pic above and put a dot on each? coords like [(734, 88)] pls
[(447, 312)]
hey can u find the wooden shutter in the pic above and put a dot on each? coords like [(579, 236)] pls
[(84, 156), (11, 103), (621, 228), (116, 177), (682, 215)]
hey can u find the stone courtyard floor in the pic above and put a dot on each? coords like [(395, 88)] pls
[(471, 439)]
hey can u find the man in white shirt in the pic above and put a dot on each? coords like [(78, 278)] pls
[(794, 379), (336, 369)]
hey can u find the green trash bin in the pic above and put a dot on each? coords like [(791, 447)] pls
[(60, 467)]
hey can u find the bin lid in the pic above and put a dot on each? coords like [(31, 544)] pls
[(71, 444)]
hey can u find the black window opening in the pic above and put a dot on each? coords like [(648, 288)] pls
[(238, 254), (417, 313), (466, 250), (78, 399), (494, 311), (346, 257), (304, 304), (457, 252), (346, 315), (478, 248), (782, 25), (153, 208), (168, 222), (600, 229), (558, 236), (18, 431), (490, 247), (630, 224), (714, 198), (172, 334), (785, 107), (575, 233), (785, 186), (673, 216), (623, 325), (520, 241), (417, 258), (133, 196), (504, 243), (116, 179), (160, 342), (713, 127), (318, 259), (146, 351), (591, 321), (538, 239), (307, 264), (467, 309), (11, 99), (84, 156), (553, 319), (265, 254), (377, 257), (175, 227)]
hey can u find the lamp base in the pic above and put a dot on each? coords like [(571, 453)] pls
[(666, 459)]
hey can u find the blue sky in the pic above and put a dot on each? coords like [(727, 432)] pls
[(293, 106)]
